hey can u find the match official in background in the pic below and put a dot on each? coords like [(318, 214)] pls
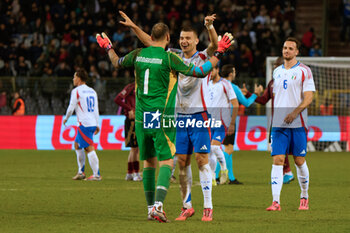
[(84, 102), (228, 72), (126, 99), (293, 92), (19, 108)]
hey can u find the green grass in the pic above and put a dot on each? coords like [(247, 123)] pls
[(37, 194)]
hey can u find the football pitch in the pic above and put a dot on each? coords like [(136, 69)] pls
[(38, 195)]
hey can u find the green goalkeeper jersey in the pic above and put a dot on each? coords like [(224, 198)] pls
[(156, 79)]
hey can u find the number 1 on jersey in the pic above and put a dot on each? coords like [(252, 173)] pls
[(145, 84)]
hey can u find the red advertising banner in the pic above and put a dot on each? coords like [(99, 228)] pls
[(49, 133)]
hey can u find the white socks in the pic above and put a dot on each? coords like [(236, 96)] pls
[(80, 160), (303, 178), (94, 163), (185, 177), (159, 206), (212, 161), (174, 165), (276, 181), (205, 178), (220, 156)]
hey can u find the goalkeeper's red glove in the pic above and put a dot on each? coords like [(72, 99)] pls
[(103, 41), (224, 43)]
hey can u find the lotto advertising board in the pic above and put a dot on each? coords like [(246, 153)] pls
[(49, 133)]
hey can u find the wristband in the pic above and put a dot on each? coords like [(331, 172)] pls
[(210, 26), (218, 55), (109, 46)]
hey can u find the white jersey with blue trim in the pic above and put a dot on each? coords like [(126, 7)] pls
[(191, 91), (219, 99), (84, 102), (288, 88)]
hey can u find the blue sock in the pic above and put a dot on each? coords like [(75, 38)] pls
[(229, 166), (217, 170)]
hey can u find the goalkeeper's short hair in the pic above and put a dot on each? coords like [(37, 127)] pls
[(159, 31)]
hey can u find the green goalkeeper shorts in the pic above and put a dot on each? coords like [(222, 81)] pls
[(155, 142)]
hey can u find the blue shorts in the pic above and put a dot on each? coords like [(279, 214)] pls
[(192, 136), (84, 136), (288, 141), (218, 134)]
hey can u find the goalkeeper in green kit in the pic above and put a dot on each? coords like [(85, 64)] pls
[(155, 103)]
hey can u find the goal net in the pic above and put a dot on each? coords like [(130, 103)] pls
[(329, 112)]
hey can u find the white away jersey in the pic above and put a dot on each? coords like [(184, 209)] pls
[(288, 88), (191, 91), (84, 102), (219, 99)]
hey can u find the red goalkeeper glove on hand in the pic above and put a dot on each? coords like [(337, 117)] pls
[(224, 43), (103, 41)]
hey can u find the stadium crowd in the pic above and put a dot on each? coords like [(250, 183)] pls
[(51, 39)]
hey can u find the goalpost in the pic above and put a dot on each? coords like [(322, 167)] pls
[(331, 100)]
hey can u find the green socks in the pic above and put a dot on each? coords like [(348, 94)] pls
[(163, 183), (149, 175)]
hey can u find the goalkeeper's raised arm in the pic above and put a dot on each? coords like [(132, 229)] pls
[(129, 59)]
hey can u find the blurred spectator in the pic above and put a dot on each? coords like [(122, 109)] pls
[(22, 75), (18, 108), (315, 51), (63, 70), (35, 51), (48, 84), (308, 40), (346, 20), (247, 58), (6, 70), (50, 33), (3, 99), (118, 36), (4, 34), (326, 109)]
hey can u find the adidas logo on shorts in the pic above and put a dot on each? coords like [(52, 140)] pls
[(204, 147)]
